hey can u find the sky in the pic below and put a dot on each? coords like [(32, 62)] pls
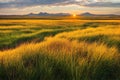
[(21, 7)]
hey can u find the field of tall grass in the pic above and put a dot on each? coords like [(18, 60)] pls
[(59, 50)]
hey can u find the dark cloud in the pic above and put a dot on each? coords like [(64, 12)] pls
[(103, 4), (27, 3)]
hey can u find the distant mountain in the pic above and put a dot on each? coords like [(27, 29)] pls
[(49, 14), (87, 14), (90, 14), (60, 14), (45, 15)]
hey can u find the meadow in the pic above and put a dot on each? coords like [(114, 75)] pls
[(59, 49)]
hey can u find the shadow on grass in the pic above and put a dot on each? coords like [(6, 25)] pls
[(102, 39), (97, 24), (39, 66), (14, 42)]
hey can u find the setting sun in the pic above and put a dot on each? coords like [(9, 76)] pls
[(74, 15)]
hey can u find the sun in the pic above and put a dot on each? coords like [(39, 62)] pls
[(74, 15)]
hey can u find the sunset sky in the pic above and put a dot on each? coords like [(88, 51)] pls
[(15, 7)]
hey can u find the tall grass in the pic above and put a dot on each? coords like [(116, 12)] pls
[(15, 32), (60, 59), (109, 35), (90, 52)]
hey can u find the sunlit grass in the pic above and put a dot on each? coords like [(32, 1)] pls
[(108, 35), (62, 59), (59, 50)]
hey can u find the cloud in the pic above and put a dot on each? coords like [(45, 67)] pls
[(103, 4), (27, 3)]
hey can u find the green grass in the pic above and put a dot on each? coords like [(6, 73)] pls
[(67, 61), (59, 50), (28, 33)]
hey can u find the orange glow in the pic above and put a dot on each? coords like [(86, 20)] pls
[(74, 15)]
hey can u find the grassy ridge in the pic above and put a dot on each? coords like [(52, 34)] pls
[(16, 32), (60, 50), (60, 59), (108, 35)]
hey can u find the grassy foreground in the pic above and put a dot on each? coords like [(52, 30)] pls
[(75, 51)]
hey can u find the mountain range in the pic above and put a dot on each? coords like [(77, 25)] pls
[(62, 14), (49, 14), (67, 14), (45, 15)]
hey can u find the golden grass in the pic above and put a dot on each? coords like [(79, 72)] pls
[(6, 31), (61, 44), (57, 46), (53, 22), (63, 56), (112, 32)]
